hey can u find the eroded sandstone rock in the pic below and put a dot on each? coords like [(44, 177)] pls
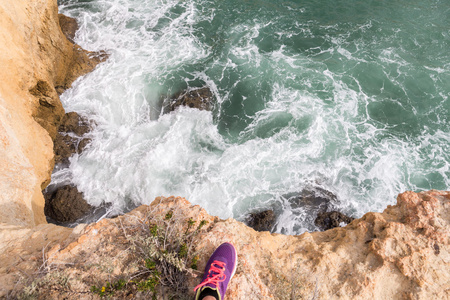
[(81, 63), (35, 58), (49, 111), (37, 62), (69, 27), (402, 253)]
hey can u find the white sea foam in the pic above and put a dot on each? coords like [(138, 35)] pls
[(315, 127)]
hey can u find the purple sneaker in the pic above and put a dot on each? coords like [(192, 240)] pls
[(219, 270)]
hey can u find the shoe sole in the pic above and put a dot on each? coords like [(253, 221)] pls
[(236, 261)]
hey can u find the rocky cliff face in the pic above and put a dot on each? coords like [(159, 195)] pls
[(402, 253), (36, 63)]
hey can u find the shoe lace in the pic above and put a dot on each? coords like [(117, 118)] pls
[(215, 275)]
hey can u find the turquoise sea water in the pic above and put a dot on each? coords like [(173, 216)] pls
[(347, 96)]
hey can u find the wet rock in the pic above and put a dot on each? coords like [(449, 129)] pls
[(66, 144), (64, 147), (262, 221), (69, 26), (73, 122), (328, 220), (194, 98), (65, 205), (83, 144), (315, 197), (304, 206)]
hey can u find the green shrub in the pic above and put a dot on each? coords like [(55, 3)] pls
[(167, 248)]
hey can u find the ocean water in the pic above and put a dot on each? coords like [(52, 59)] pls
[(345, 96)]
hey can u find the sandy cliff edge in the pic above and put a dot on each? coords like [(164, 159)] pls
[(402, 253)]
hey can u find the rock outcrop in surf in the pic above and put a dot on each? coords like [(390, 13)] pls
[(70, 138), (65, 205), (200, 98)]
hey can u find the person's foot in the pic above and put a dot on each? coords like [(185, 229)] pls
[(220, 268)]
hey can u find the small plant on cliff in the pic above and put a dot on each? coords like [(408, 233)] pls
[(52, 280), (156, 258), (109, 288), (164, 249), (166, 246)]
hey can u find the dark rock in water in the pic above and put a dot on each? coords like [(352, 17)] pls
[(315, 197), (304, 206), (73, 122), (194, 98), (82, 145), (69, 26), (328, 220), (262, 221), (65, 205), (64, 147)]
